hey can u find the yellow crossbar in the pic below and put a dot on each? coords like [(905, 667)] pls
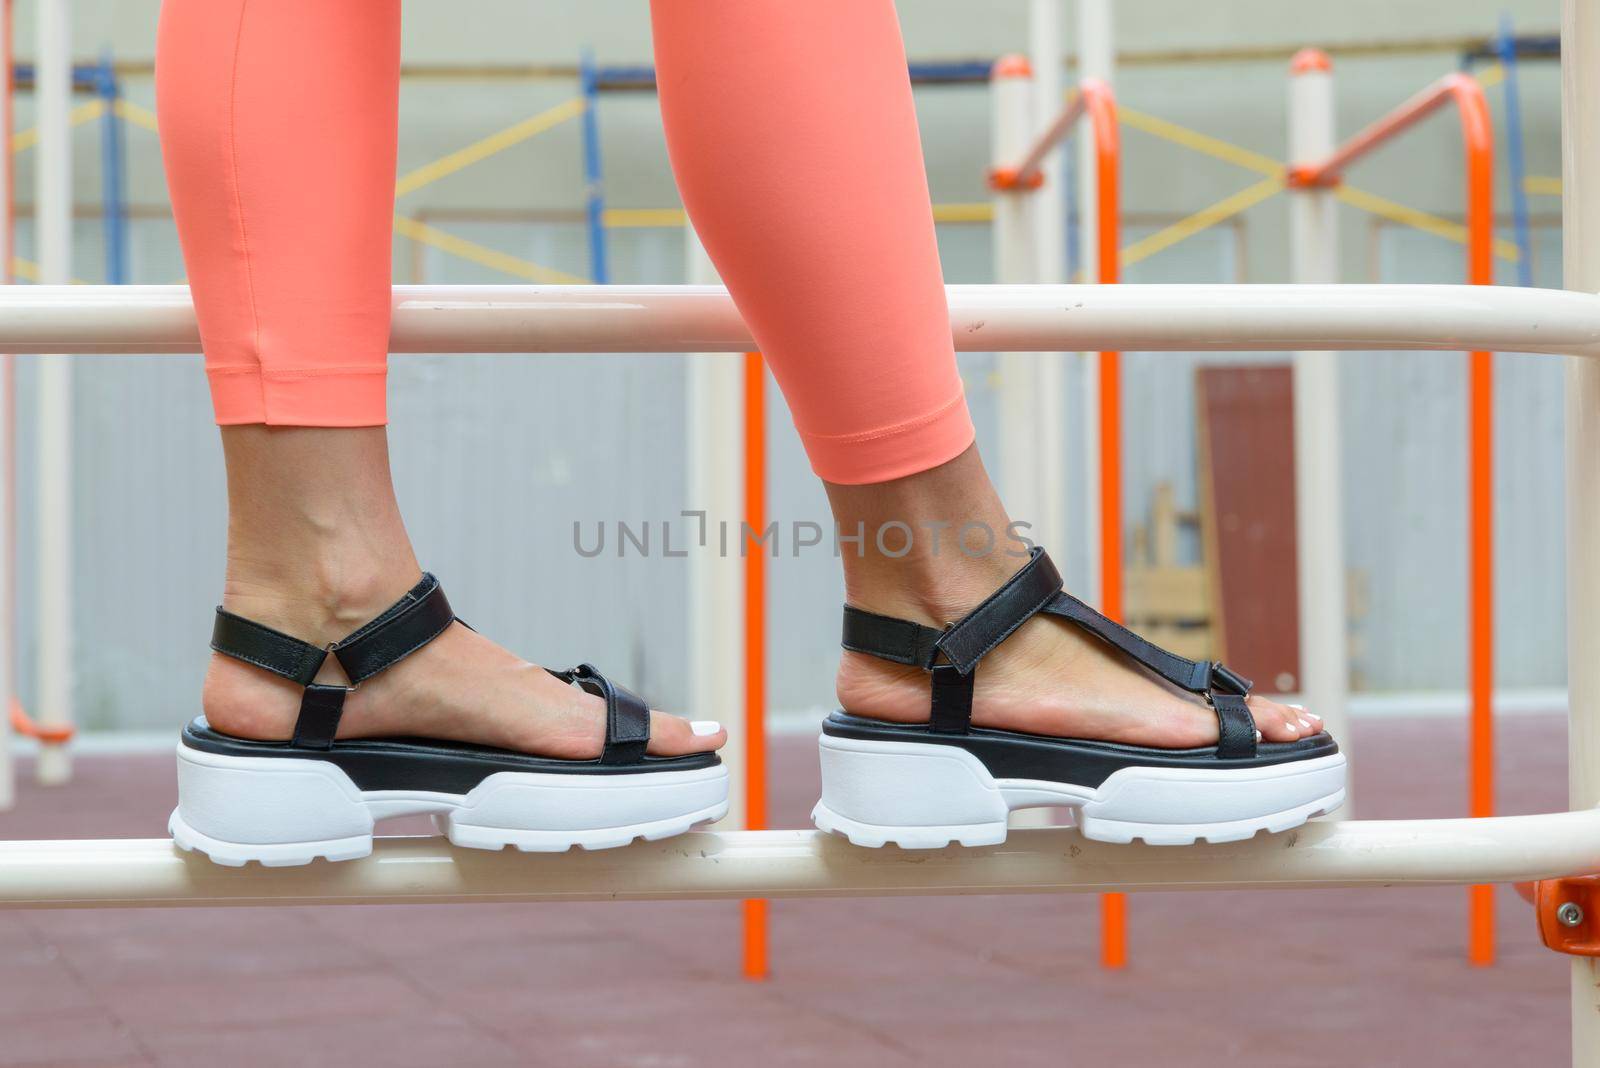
[(479, 151), (482, 254)]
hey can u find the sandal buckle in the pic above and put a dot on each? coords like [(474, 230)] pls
[(1227, 680)]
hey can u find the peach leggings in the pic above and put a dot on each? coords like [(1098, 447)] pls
[(792, 135)]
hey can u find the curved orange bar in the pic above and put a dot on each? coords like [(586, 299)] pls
[(1095, 99), (1477, 135), (24, 725)]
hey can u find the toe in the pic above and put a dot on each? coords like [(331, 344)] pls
[(676, 736), (1310, 720), (1277, 723)]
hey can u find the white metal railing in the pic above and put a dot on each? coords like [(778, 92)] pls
[(95, 319), (983, 318), (120, 873)]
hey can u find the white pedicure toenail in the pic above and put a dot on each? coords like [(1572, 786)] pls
[(1306, 724), (704, 727), (1258, 736)]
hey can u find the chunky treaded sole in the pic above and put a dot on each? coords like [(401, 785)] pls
[(283, 812), (927, 795)]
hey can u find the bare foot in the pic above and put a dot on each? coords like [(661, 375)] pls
[(460, 687)]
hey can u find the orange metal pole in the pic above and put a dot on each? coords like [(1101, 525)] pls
[(1102, 109), (1477, 134), (755, 644)]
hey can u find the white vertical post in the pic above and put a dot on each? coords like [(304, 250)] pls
[(1049, 247), (1096, 59), (1025, 406), (1015, 262), (1319, 520), (1580, 230), (53, 226), (716, 579), (8, 439)]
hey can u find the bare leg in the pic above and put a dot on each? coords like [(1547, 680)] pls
[(316, 548)]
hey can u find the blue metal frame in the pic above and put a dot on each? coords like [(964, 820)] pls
[(593, 174), (114, 206), (640, 78), (1506, 46), (101, 80), (593, 80)]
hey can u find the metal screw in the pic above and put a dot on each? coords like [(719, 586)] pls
[(1569, 914)]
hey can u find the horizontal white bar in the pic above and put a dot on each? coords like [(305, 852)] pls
[(983, 318), (771, 864)]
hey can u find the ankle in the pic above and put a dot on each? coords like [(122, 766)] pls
[(321, 599), (932, 589)]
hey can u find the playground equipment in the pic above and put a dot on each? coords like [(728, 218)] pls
[(89, 319), (1312, 318)]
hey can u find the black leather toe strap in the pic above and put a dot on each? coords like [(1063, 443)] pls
[(1236, 727), (627, 717)]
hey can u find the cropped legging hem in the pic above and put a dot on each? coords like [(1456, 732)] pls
[(792, 132), (892, 452), (312, 396)]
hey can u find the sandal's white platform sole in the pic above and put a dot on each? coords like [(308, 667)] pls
[(286, 811), (920, 795)]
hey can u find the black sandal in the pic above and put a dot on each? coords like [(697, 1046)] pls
[(285, 803), (925, 785)]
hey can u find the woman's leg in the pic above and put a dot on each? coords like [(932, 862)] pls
[(278, 122), (793, 137)]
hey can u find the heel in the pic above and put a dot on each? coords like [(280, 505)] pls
[(278, 811), (915, 795)]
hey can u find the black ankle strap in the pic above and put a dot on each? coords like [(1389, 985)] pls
[(951, 655), (404, 627)]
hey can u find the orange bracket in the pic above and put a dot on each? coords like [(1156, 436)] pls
[(1004, 179), (1305, 176), (24, 725), (1568, 911)]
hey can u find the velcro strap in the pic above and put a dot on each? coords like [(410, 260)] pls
[(1001, 613), (320, 709), (1236, 727), (951, 711), (1194, 676), (887, 638), (258, 644), (1226, 680), (406, 626), (627, 717)]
